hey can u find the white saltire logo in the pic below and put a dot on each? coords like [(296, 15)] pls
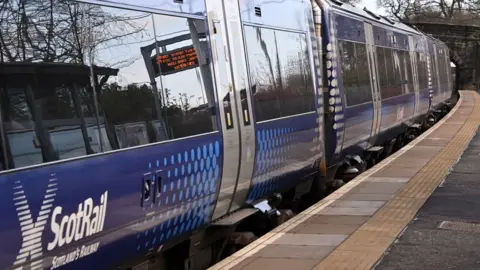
[(32, 231)]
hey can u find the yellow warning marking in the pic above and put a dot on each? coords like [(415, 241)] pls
[(229, 121)]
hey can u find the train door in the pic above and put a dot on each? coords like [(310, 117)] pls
[(376, 98), (244, 102), (227, 104), (234, 96), (447, 68), (413, 61)]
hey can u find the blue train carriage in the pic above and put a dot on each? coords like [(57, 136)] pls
[(377, 73), (140, 128)]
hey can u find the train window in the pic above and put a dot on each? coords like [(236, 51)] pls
[(433, 69), (422, 71), (409, 70), (47, 119), (355, 72), (403, 71), (397, 67), (3, 153), (2, 160), (363, 74), (189, 97), (389, 86), (443, 67), (438, 68), (348, 64), (425, 72), (389, 66), (362, 66), (163, 87), (280, 73), (381, 66), (47, 107), (446, 65)]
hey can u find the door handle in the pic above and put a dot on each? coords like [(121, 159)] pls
[(158, 185), (227, 109), (146, 189), (244, 103)]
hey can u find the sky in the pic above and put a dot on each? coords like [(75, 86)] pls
[(371, 5)]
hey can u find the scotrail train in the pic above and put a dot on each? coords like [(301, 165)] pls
[(165, 134)]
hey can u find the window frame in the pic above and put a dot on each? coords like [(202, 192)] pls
[(409, 67), (344, 96), (253, 102)]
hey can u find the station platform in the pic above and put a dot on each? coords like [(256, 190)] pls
[(392, 216)]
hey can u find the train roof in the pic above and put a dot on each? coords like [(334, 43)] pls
[(378, 19)]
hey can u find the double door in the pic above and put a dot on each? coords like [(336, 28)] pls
[(235, 105), (374, 82)]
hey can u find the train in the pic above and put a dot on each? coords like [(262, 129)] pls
[(167, 134)]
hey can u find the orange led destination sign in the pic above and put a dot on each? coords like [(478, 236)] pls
[(175, 61)]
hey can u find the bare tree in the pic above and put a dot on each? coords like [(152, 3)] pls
[(56, 30), (454, 11)]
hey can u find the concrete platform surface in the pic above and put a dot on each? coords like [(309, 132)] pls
[(427, 243)]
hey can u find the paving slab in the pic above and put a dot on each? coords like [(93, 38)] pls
[(349, 211), (381, 188), (311, 240), (337, 220), (358, 204), (397, 172), (368, 196), (325, 229), (281, 264), (295, 252)]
